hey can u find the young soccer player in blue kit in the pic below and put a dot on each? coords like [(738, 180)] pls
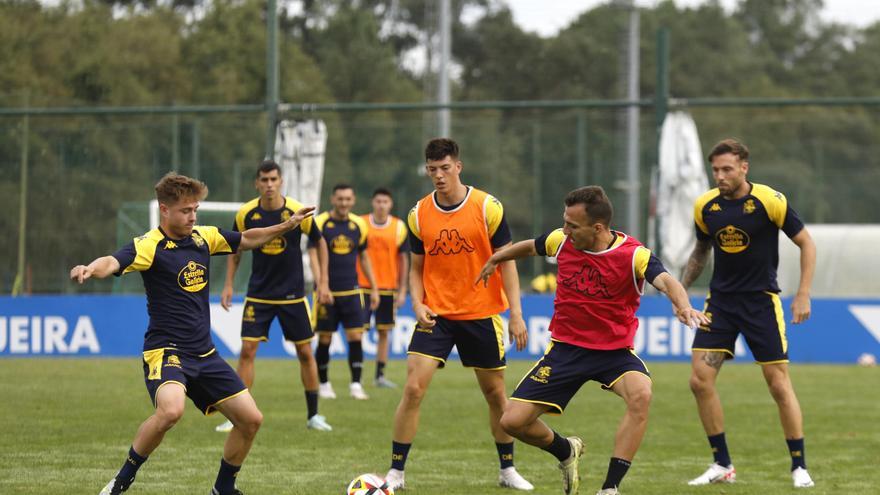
[(179, 356)]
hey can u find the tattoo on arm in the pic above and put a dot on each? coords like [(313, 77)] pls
[(714, 359), (696, 263)]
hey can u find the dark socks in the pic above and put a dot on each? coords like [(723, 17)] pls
[(322, 357), (225, 483), (559, 447), (355, 360), (616, 470), (126, 475), (719, 449), (796, 449), (311, 403), (380, 369), (399, 451), (505, 454)]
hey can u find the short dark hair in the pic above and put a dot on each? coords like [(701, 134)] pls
[(731, 146), (173, 187), (383, 191), (340, 186), (267, 166), (595, 202), (439, 148)]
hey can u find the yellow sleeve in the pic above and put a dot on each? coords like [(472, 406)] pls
[(320, 220), (294, 205), (243, 212), (216, 242), (699, 204), (362, 225), (401, 233), (553, 243), (640, 261), (412, 220), (494, 212), (145, 251), (774, 202)]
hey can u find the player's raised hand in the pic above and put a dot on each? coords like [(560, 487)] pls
[(80, 273), (692, 318), (516, 326), (487, 271), (300, 215), (226, 297), (425, 316), (800, 308)]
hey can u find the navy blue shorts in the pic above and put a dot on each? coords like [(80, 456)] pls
[(294, 316), (757, 315), (347, 310), (384, 313), (208, 380), (480, 343), (558, 376)]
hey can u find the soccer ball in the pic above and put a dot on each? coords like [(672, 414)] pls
[(867, 360), (369, 484)]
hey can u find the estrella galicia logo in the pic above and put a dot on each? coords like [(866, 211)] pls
[(193, 277), (275, 246), (588, 281), (341, 245), (732, 240), (450, 242)]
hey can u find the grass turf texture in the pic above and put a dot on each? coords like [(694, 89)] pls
[(69, 422)]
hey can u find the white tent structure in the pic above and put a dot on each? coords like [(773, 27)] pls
[(300, 147), (682, 179)]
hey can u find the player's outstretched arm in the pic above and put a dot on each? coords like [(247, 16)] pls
[(254, 238), (522, 249), (516, 325), (800, 305), (100, 268), (668, 285), (697, 261)]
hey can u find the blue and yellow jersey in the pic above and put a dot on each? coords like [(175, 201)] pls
[(745, 235), (345, 240), (175, 273), (646, 266), (277, 268)]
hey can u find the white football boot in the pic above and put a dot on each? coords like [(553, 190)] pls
[(715, 474)]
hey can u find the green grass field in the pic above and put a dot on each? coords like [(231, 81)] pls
[(67, 425)]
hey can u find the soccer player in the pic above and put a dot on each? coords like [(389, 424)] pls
[(179, 356), (741, 220), (346, 237), (276, 288), (602, 274), (388, 250), (453, 231)]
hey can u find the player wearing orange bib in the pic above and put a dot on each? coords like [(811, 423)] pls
[(453, 231), (388, 250)]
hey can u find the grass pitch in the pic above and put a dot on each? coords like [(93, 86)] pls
[(68, 423)]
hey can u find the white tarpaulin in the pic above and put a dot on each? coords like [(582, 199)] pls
[(300, 147), (682, 180), (299, 150)]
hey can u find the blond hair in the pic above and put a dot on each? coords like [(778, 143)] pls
[(173, 187)]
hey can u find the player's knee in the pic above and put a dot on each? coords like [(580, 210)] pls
[(414, 392), (304, 353), (168, 415), (639, 402), (511, 424), (780, 389), (251, 423), (699, 385)]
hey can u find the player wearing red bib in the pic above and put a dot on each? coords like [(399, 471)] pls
[(601, 276)]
